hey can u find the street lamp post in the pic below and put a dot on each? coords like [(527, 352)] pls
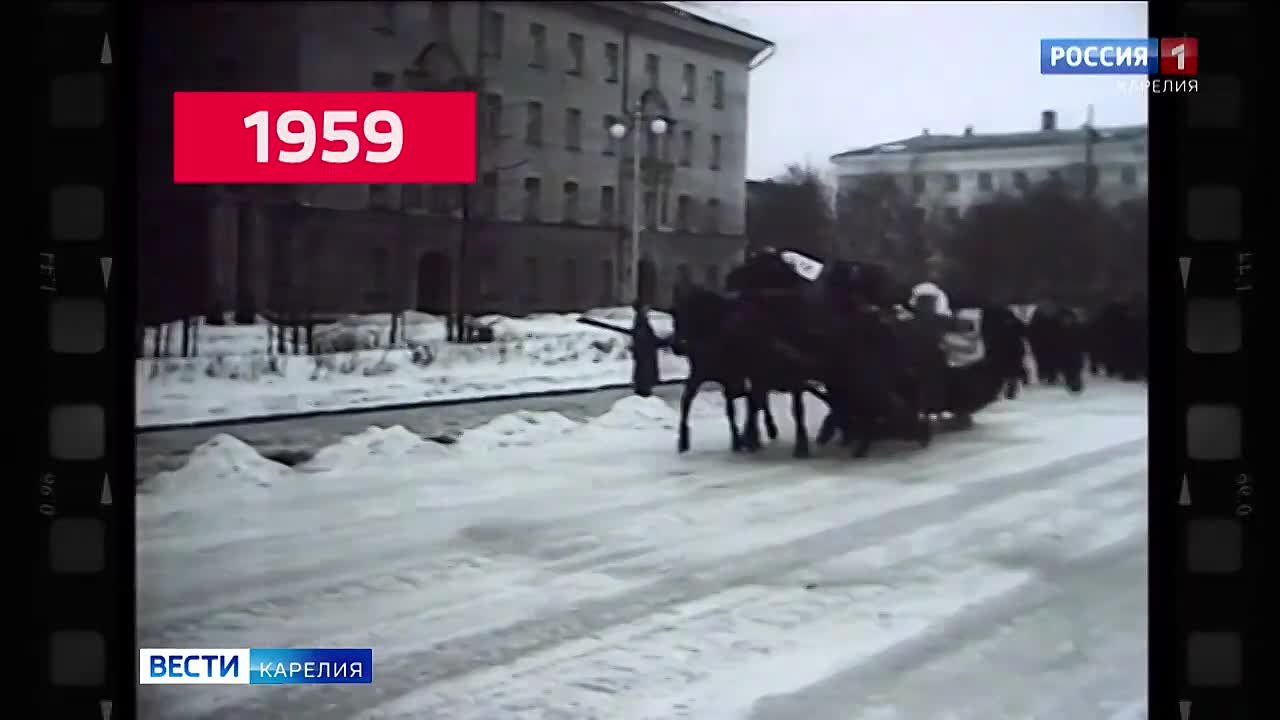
[(658, 126)]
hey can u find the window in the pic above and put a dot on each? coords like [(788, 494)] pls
[(664, 207), (488, 205), (570, 213), (686, 148), (386, 24), (951, 182), (494, 30), (711, 221), (531, 284), (573, 129), (651, 209), (413, 197), (612, 59), (444, 199), (716, 147), (610, 144), (918, 184), (575, 54), (533, 123), (684, 206), (569, 283), (380, 196), (652, 70), (984, 181), (493, 115), (1020, 180), (608, 206), (717, 89), (538, 40), (532, 199), (689, 82), (1129, 175), (379, 275), (383, 81), (441, 17), (711, 276), (606, 282)]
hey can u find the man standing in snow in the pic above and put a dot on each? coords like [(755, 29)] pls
[(644, 352)]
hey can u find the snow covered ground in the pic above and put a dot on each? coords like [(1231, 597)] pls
[(545, 568), (233, 376)]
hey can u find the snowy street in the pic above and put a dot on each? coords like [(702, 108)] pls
[(578, 568)]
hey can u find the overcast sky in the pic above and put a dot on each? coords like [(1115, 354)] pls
[(849, 75)]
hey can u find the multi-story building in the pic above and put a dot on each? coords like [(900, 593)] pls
[(949, 173), (547, 222)]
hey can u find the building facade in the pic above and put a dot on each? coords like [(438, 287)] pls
[(950, 173), (546, 225)]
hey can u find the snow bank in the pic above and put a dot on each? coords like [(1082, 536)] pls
[(234, 377), (374, 444), (223, 465)]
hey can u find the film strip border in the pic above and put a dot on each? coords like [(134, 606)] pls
[(1216, 526), (84, 504)]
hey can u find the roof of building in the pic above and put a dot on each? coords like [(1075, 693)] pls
[(927, 143), (712, 14)]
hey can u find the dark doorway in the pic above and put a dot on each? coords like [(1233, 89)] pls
[(433, 283), (648, 281)]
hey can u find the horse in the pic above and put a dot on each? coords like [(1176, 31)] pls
[(697, 317)]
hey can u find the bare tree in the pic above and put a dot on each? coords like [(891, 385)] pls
[(792, 211)]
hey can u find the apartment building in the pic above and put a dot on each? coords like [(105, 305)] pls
[(548, 220), (949, 173)]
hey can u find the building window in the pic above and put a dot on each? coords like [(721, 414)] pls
[(533, 123), (1020, 180), (573, 129), (532, 199), (711, 276), (441, 17), (952, 214), (717, 89), (664, 207), (413, 197), (612, 59), (538, 40), (570, 214), (951, 182), (569, 283), (531, 284), (610, 143), (488, 205), (684, 210), (606, 282), (380, 197), (608, 205), (716, 147), (652, 70), (689, 82), (651, 209), (379, 276), (493, 115), (494, 31), (918, 184), (444, 199), (686, 148), (575, 54), (711, 221), (1129, 175), (383, 81), (984, 181), (386, 24)]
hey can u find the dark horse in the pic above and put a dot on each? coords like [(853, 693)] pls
[(698, 317)]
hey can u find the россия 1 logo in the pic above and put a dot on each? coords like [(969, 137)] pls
[(1176, 60)]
